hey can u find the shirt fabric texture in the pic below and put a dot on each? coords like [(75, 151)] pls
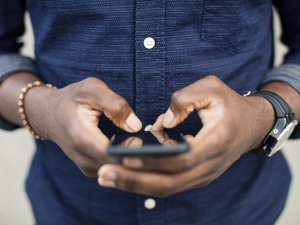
[(232, 39)]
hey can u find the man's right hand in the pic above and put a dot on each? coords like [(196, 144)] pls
[(70, 117)]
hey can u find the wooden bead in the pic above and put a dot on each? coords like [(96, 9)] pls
[(21, 96), (23, 117), (37, 83), (24, 91), (21, 109), (20, 103)]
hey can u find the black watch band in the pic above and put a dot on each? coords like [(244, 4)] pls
[(284, 124), (281, 107)]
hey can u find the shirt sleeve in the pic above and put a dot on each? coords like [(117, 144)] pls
[(289, 71), (11, 28)]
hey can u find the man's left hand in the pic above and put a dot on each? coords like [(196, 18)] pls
[(232, 126)]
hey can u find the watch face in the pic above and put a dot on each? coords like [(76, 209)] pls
[(285, 134)]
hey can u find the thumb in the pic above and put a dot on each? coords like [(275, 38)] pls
[(174, 117), (182, 104), (169, 120), (133, 123), (98, 96)]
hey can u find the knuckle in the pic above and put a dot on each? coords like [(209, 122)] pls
[(129, 184), (122, 103), (213, 169), (213, 78), (166, 188), (180, 100), (121, 108), (88, 84), (188, 162), (178, 97), (90, 80), (214, 82)]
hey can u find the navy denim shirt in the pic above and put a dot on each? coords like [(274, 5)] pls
[(232, 39)]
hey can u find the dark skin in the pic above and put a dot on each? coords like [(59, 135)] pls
[(70, 116), (233, 125)]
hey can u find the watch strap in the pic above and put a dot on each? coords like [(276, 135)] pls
[(281, 107), (285, 117)]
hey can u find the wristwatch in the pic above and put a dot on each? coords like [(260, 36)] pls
[(284, 125)]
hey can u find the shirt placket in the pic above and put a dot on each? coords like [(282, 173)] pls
[(149, 59)]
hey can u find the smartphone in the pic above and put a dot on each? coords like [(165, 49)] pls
[(148, 143)]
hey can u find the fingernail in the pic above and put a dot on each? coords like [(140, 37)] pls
[(148, 128), (133, 163), (106, 183), (107, 177), (133, 122), (168, 118)]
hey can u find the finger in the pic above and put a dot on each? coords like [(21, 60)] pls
[(126, 142), (85, 135), (159, 135), (206, 179), (89, 167), (211, 142), (116, 176), (189, 138), (115, 107), (170, 164), (154, 184), (136, 143), (204, 147), (170, 142), (198, 95), (158, 126)]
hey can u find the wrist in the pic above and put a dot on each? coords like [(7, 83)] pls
[(288, 93), (283, 127), (36, 106), (262, 118)]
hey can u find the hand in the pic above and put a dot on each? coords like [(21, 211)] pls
[(70, 117), (232, 125)]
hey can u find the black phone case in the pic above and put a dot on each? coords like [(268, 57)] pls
[(149, 150)]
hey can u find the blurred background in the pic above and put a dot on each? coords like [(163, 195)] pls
[(16, 149)]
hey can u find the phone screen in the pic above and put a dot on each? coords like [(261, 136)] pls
[(148, 138), (148, 143)]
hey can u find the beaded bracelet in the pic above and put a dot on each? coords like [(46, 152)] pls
[(22, 110)]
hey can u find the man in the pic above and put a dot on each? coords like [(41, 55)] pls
[(128, 64)]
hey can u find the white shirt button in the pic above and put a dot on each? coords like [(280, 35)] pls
[(149, 43), (150, 203), (148, 127)]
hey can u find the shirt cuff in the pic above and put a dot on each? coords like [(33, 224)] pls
[(287, 73), (11, 63), (290, 74)]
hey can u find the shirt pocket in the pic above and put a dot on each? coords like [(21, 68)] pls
[(225, 23)]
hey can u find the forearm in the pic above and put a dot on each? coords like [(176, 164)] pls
[(10, 89), (288, 93)]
